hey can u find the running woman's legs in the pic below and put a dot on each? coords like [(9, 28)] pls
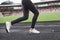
[(29, 5)]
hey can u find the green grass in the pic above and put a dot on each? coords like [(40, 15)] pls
[(49, 16), (42, 17)]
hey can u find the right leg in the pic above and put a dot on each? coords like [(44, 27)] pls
[(26, 14)]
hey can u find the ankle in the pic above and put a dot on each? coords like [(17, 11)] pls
[(32, 28)]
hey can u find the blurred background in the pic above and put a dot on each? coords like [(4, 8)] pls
[(19, 1), (49, 10)]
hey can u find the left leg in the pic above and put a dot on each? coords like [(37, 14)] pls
[(36, 13)]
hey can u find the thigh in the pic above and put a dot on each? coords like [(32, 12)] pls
[(25, 11), (33, 8)]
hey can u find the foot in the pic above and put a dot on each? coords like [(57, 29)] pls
[(7, 27), (34, 31)]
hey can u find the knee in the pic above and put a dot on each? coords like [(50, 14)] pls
[(25, 17), (36, 14)]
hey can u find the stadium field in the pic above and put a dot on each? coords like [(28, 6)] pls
[(51, 16)]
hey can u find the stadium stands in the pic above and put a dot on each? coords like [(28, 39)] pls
[(41, 6)]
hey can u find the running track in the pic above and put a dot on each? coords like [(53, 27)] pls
[(20, 31)]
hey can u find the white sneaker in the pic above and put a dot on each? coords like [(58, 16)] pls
[(34, 31), (8, 25)]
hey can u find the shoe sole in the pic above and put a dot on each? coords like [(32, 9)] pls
[(34, 33), (6, 29)]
